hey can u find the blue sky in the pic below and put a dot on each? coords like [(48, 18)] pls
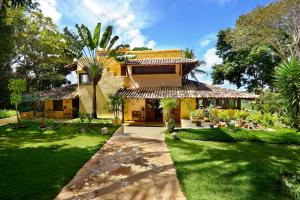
[(159, 24)]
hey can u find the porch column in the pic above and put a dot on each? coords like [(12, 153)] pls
[(238, 104)]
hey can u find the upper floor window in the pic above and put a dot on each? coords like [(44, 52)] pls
[(84, 79), (167, 69)]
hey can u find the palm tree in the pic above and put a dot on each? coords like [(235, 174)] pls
[(85, 47), (287, 81), (189, 53)]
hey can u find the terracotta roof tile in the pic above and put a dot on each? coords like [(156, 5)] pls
[(161, 61), (190, 89), (64, 92)]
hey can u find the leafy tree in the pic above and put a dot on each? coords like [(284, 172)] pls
[(17, 88), (287, 81), (88, 45), (252, 68), (189, 53), (17, 3), (276, 25), (117, 104), (40, 51)]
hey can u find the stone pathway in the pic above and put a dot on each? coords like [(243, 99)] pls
[(134, 164), (8, 120)]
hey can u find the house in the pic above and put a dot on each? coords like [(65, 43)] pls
[(143, 82)]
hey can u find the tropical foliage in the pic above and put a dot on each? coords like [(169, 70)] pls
[(260, 40), (189, 53), (287, 81), (116, 104), (168, 105), (85, 46)]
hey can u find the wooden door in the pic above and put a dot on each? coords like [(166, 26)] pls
[(150, 110)]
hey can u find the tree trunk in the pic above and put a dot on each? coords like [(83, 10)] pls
[(17, 112), (123, 114), (94, 111), (1, 4)]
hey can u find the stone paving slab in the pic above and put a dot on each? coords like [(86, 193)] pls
[(128, 167)]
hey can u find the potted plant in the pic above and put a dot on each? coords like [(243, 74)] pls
[(169, 104), (241, 116), (116, 103), (197, 116)]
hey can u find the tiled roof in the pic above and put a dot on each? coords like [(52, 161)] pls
[(161, 61), (190, 89), (64, 92)]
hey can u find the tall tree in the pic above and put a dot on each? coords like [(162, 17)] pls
[(189, 53), (88, 46), (40, 51), (277, 25), (249, 67)]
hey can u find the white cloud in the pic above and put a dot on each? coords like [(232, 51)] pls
[(211, 58), (49, 9), (127, 17), (208, 39)]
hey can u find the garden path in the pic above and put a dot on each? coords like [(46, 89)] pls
[(135, 164)]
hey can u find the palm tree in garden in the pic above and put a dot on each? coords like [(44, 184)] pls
[(85, 46), (189, 53), (287, 81)]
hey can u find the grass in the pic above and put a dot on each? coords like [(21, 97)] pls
[(243, 170), (36, 164), (7, 113), (280, 136)]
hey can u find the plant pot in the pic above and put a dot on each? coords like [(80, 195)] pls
[(116, 121), (198, 123), (211, 126)]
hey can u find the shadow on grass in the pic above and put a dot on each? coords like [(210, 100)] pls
[(36, 164), (215, 170), (63, 131), (39, 173)]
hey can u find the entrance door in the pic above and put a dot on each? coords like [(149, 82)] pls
[(154, 112)]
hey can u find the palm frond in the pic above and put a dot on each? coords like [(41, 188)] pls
[(106, 37), (96, 37)]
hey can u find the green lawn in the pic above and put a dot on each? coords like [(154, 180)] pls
[(279, 136), (36, 164), (231, 170)]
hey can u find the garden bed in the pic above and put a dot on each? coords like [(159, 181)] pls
[(279, 136)]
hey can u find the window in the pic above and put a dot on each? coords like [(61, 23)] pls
[(84, 79), (57, 105), (167, 69)]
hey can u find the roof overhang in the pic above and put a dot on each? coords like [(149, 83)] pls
[(190, 89)]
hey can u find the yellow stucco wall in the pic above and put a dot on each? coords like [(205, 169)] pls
[(109, 84), (134, 105), (66, 113), (186, 106), (154, 80)]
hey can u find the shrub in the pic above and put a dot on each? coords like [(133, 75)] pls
[(241, 114), (290, 184), (268, 119), (197, 114), (170, 125), (7, 113)]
